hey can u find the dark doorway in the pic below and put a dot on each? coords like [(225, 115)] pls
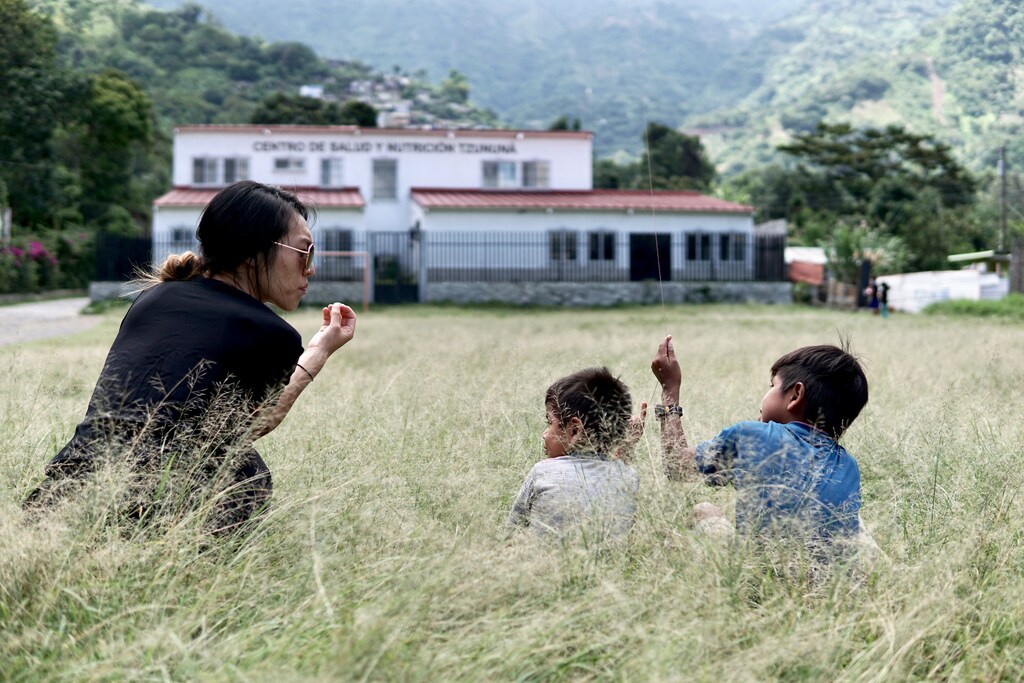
[(650, 257), (395, 267)]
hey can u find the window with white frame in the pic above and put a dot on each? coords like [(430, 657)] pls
[(499, 174), (536, 174), (330, 172), (602, 245), (731, 246), (204, 171), (385, 179), (290, 164), (562, 245), (698, 246), (235, 169)]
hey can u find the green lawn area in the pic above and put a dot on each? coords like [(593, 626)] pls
[(384, 556)]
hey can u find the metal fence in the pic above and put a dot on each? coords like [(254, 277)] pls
[(576, 256), (555, 256), (119, 257)]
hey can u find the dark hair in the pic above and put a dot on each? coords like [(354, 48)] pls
[(239, 224), (835, 386), (599, 400)]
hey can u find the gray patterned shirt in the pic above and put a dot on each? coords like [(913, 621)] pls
[(581, 493)]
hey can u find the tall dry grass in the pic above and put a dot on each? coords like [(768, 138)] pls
[(384, 557)]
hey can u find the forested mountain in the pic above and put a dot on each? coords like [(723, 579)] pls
[(744, 70), (611, 63), (745, 74), (196, 71), (949, 68)]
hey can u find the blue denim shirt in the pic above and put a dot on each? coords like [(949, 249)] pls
[(790, 477)]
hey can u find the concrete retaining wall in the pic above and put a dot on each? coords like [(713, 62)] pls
[(537, 293), (324, 293), (319, 292), (607, 293)]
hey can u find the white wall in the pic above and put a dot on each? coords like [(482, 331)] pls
[(911, 292), (424, 160)]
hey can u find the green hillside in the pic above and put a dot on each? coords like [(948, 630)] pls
[(196, 71), (955, 75), (736, 73), (611, 63)]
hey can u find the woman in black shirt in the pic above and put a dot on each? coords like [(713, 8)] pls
[(201, 367)]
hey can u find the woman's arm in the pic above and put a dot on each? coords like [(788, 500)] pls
[(337, 330)]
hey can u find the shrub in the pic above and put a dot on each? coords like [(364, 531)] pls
[(46, 262)]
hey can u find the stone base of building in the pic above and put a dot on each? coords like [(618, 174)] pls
[(534, 293), (318, 293), (323, 293), (607, 293)]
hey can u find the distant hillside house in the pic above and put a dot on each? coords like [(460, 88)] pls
[(428, 203)]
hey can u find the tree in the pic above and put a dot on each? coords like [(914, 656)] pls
[(455, 88), (116, 130), (298, 110), (563, 123), (677, 162), (32, 84), (359, 113), (609, 175), (853, 161), (899, 184), (674, 160)]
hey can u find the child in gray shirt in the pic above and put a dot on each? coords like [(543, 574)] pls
[(580, 488)]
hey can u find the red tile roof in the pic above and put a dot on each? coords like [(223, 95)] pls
[(356, 131), (575, 200), (343, 198)]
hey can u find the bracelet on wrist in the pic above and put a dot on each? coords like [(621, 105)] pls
[(661, 411), (300, 366)]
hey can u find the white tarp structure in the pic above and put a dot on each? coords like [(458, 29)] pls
[(911, 292)]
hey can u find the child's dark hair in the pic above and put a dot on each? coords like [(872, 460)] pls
[(600, 400), (835, 386)]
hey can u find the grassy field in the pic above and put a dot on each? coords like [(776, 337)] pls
[(384, 557)]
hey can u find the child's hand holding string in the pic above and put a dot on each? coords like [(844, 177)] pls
[(666, 369)]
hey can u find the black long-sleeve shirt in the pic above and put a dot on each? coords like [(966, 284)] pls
[(185, 348)]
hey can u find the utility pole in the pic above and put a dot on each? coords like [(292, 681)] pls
[(1002, 199)]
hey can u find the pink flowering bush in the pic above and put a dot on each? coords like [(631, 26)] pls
[(46, 262)]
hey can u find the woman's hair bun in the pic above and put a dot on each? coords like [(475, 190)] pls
[(187, 266)]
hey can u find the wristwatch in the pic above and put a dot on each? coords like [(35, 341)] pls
[(662, 411)]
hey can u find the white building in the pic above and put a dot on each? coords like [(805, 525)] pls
[(431, 202)]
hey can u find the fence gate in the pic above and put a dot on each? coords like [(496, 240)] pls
[(119, 257), (396, 263)]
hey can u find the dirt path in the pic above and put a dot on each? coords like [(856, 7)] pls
[(44, 320), (938, 92)]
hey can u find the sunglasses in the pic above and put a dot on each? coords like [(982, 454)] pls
[(307, 252)]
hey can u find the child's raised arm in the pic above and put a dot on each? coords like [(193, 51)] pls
[(679, 457)]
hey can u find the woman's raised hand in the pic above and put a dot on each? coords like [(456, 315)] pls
[(338, 329)]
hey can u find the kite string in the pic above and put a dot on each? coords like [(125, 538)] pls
[(657, 246), (653, 215)]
